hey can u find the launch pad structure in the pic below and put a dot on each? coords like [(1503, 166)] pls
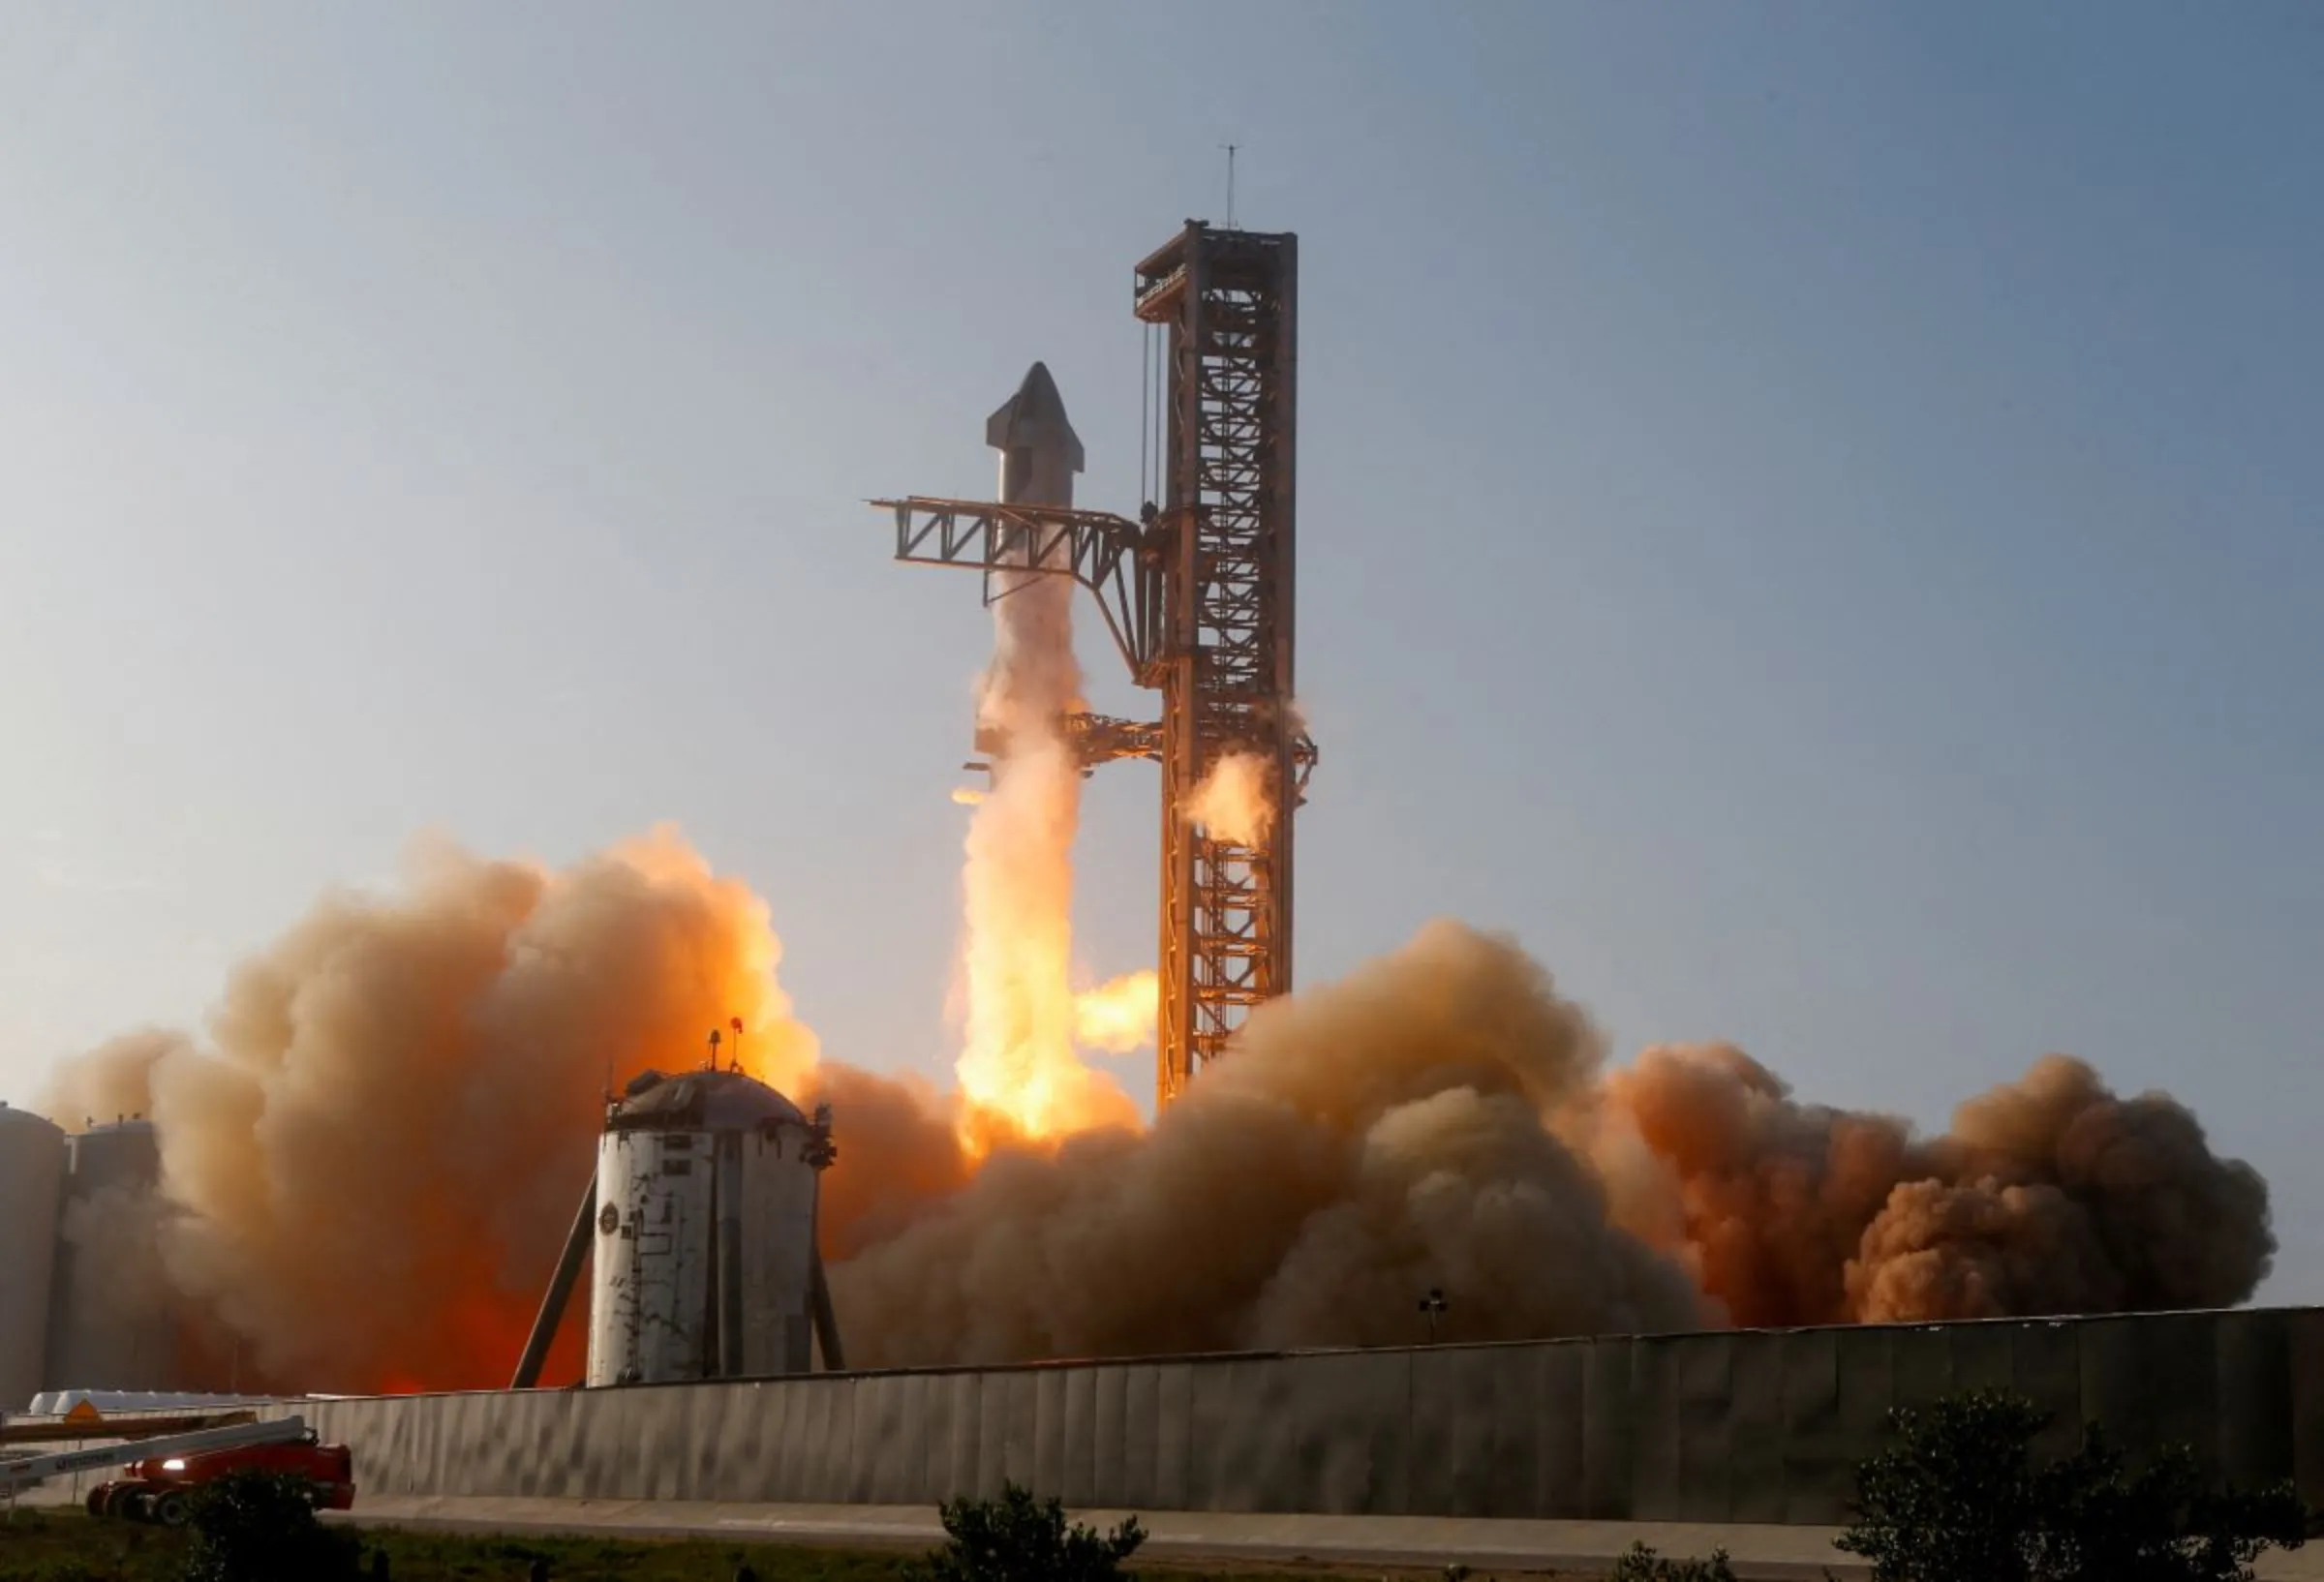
[(1198, 595)]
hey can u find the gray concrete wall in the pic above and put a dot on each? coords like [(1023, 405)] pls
[(1752, 1426)]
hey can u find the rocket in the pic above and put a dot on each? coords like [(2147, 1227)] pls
[(1039, 455), (1039, 451)]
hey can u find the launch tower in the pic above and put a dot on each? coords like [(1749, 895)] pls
[(1198, 596)]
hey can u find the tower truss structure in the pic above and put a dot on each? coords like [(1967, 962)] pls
[(1198, 595)]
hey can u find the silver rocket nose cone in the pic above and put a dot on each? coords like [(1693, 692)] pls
[(1034, 418), (1036, 399)]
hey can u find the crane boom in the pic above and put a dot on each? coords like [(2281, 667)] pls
[(29, 1472)]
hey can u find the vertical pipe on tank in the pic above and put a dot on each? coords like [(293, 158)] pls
[(827, 1322), (728, 1190), (820, 1155)]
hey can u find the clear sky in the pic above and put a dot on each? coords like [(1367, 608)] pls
[(1808, 515)]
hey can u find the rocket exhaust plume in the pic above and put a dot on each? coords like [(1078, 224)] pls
[(1118, 1016), (1020, 1072)]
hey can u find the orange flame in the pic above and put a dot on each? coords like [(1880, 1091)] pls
[(1118, 1016), (1021, 1066)]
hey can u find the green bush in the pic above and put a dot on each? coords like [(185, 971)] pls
[(2160, 1523), (1639, 1563), (1960, 1500), (260, 1527), (1019, 1538), (1957, 1501)]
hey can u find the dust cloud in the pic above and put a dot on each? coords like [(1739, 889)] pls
[(370, 1156), (367, 1163), (110, 1277), (1362, 1145), (2053, 1194), (2049, 1194)]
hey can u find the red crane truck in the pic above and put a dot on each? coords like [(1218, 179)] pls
[(157, 1486)]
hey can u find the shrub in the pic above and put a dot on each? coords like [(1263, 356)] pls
[(2158, 1524), (1960, 1500), (260, 1527), (1019, 1538), (1956, 1500), (1640, 1563)]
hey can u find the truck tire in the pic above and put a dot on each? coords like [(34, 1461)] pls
[(98, 1499), (170, 1509)]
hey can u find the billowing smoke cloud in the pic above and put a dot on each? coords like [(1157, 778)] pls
[(2054, 1196), (1362, 1145), (111, 1081), (111, 1280), (1766, 1199), (2049, 1194), (372, 1155), (899, 1151)]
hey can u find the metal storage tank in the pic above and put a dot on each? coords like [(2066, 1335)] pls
[(704, 1253), (112, 1317), (32, 1182)]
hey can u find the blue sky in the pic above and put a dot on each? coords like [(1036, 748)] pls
[(1808, 512)]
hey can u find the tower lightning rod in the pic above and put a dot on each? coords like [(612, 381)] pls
[(1229, 148)]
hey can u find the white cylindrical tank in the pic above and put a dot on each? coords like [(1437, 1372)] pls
[(32, 1182), (113, 1321), (705, 1248)]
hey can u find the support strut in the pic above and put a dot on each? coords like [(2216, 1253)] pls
[(559, 1293)]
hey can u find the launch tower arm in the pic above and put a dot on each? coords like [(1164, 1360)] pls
[(1115, 559), (1102, 739)]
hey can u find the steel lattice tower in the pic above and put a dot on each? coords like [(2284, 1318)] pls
[(1229, 300), (1198, 596)]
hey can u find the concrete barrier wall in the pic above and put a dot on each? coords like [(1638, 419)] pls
[(1750, 1427)]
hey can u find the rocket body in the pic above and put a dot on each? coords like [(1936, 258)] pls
[(1039, 451), (1032, 682)]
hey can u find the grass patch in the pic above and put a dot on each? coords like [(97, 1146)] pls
[(63, 1545)]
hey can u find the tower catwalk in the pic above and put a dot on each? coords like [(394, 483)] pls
[(1198, 596)]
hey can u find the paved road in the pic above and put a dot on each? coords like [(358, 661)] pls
[(1776, 1554), (1398, 1542)]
